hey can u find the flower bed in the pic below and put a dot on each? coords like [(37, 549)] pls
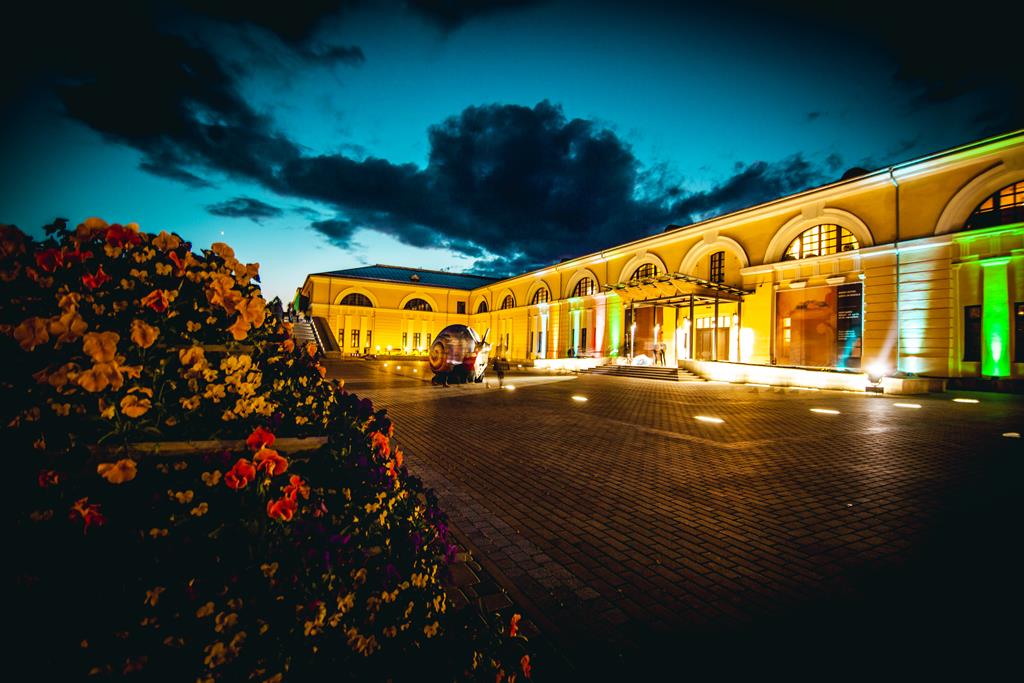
[(163, 530)]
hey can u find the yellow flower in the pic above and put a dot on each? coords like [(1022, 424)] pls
[(153, 596), (101, 346), (100, 376), (222, 250), (269, 569), (163, 269), (133, 406), (192, 326), (211, 478), (190, 356), (200, 510), (215, 392), (68, 327), (239, 329), (225, 621), (31, 333), (119, 472), (183, 497), (165, 241), (157, 533), (190, 403), (89, 228), (144, 335), (430, 630), (205, 611)]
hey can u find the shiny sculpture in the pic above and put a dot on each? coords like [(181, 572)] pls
[(459, 355)]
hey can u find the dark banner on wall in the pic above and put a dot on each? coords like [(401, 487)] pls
[(849, 324)]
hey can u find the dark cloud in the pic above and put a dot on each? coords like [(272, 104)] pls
[(333, 54), (292, 22), (245, 207), (338, 231), (814, 115), (450, 14)]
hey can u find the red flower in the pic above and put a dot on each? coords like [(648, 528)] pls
[(157, 300), (76, 256), (513, 626), (178, 263), (97, 280), (525, 663), (239, 476), (118, 236), (296, 487), (283, 509), (88, 512), (271, 461), (259, 438), (381, 444), (48, 478), (50, 259)]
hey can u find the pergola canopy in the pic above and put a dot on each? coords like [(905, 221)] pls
[(674, 287)]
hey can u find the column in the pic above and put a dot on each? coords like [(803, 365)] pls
[(995, 319)]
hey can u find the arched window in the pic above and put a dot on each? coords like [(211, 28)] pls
[(716, 267), (356, 300), (647, 270), (482, 307), (1005, 206), (541, 296), (821, 240), (584, 287), (508, 302), (417, 305)]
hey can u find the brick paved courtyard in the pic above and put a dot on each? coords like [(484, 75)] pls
[(635, 534)]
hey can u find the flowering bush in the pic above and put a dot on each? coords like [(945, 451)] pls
[(262, 557)]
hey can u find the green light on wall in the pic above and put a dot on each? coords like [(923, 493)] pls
[(614, 325), (995, 319)]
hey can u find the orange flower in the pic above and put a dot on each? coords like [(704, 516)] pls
[(118, 472), (513, 625), (157, 300), (239, 329), (178, 264), (271, 461), (90, 227), (222, 250), (322, 370), (144, 335), (380, 443), (100, 376), (259, 438), (31, 333), (190, 356), (88, 512), (48, 478), (165, 241), (311, 349), (525, 663), (282, 509), (68, 327), (101, 346), (399, 457), (96, 280), (133, 406), (239, 476), (121, 235), (296, 487)]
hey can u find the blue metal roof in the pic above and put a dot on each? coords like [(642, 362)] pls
[(431, 278)]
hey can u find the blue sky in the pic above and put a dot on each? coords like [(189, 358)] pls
[(687, 112)]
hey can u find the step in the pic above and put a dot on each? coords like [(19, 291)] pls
[(646, 372)]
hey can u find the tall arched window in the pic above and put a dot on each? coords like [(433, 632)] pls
[(417, 305), (821, 240), (584, 287), (482, 306), (508, 302), (355, 299), (647, 270), (1005, 206), (541, 296)]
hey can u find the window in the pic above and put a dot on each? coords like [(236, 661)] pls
[(341, 336), (538, 341), (369, 339), (583, 338), (405, 340), (584, 287), (1018, 332), (417, 305), (355, 339), (460, 306), (647, 270), (482, 306), (1005, 206), (416, 340), (356, 300), (972, 333), (717, 269), (541, 296), (508, 302), (428, 339), (821, 240)]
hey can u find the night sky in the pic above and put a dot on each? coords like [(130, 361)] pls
[(491, 137)]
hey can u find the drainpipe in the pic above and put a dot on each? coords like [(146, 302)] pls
[(896, 246)]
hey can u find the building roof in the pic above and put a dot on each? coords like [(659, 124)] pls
[(420, 276)]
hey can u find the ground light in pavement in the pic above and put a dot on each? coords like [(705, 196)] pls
[(705, 418), (579, 399), (509, 387), (907, 405), (966, 400), (825, 411)]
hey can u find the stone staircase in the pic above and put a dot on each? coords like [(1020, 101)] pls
[(304, 333), (646, 372)]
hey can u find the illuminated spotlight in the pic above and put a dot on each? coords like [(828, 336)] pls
[(966, 400), (580, 399), (415, 370), (764, 386), (512, 388), (907, 405), (825, 411), (705, 418), (385, 365), (520, 365), (1012, 435), (398, 367)]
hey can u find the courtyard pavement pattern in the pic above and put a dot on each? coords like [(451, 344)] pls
[(637, 536)]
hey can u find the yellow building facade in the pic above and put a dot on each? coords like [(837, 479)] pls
[(916, 268)]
